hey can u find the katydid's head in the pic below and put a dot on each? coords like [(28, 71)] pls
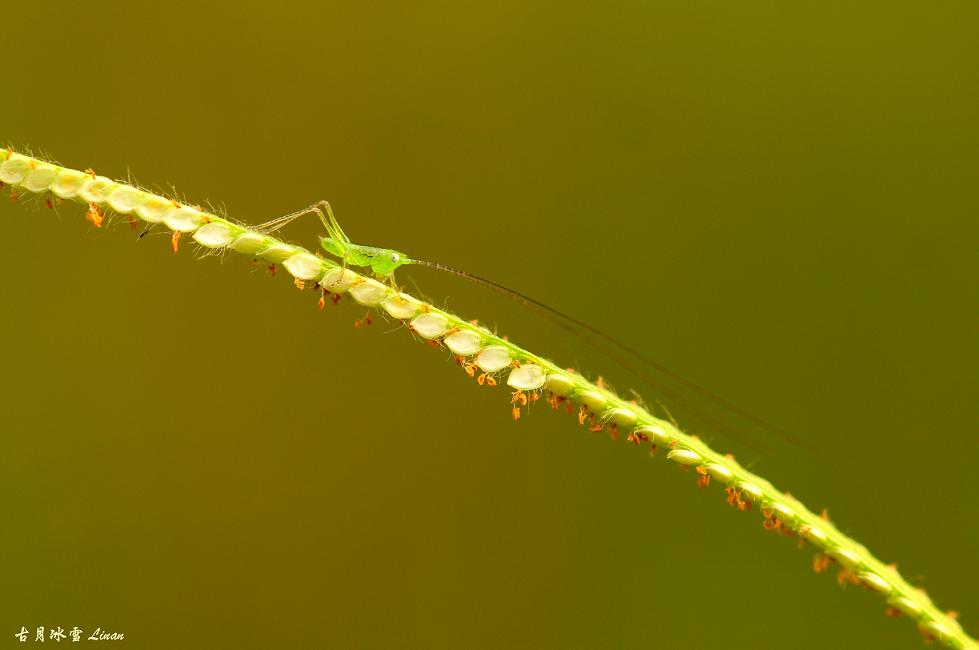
[(384, 261)]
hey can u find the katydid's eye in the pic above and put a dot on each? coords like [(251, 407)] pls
[(395, 257)]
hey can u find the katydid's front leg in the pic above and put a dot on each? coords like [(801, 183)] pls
[(389, 278)]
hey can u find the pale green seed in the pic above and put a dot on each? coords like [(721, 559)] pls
[(719, 472), (493, 358), (622, 416), (429, 326), (844, 556), (905, 605), (401, 306), (249, 243), (98, 189), (782, 511), (154, 208), (560, 384), (875, 582), (684, 456), (369, 292), (937, 630), (338, 280), (465, 343), (816, 533), (40, 179), (594, 400), (529, 376), (752, 490), (278, 252), (657, 434), (183, 219), (67, 183), (14, 170), (213, 235), (126, 199), (304, 266)]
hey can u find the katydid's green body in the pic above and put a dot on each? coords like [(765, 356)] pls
[(381, 261)]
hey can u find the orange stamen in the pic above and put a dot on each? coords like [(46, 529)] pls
[(95, 215)]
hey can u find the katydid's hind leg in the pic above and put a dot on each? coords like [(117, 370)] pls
[(319, 208), (282, 222), (279, 222), (333, 227)]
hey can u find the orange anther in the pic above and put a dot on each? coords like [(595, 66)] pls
[(845, 576), (516, 412), (48, 203), (272, 269), (490, 381), (95, 215), (470, 369), (300, 284), (820, 562), (582, 414), (14, 195), (704, 479), (175, 240), (481, 379), (321, 303), (132, 222)]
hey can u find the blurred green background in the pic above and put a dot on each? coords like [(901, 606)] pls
[(778, 202)]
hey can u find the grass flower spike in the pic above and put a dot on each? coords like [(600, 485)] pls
[(490, 360)]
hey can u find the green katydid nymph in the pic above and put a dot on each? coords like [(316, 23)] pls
[(383, 262)]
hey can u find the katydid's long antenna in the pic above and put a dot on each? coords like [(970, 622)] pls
[(680, 379)]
